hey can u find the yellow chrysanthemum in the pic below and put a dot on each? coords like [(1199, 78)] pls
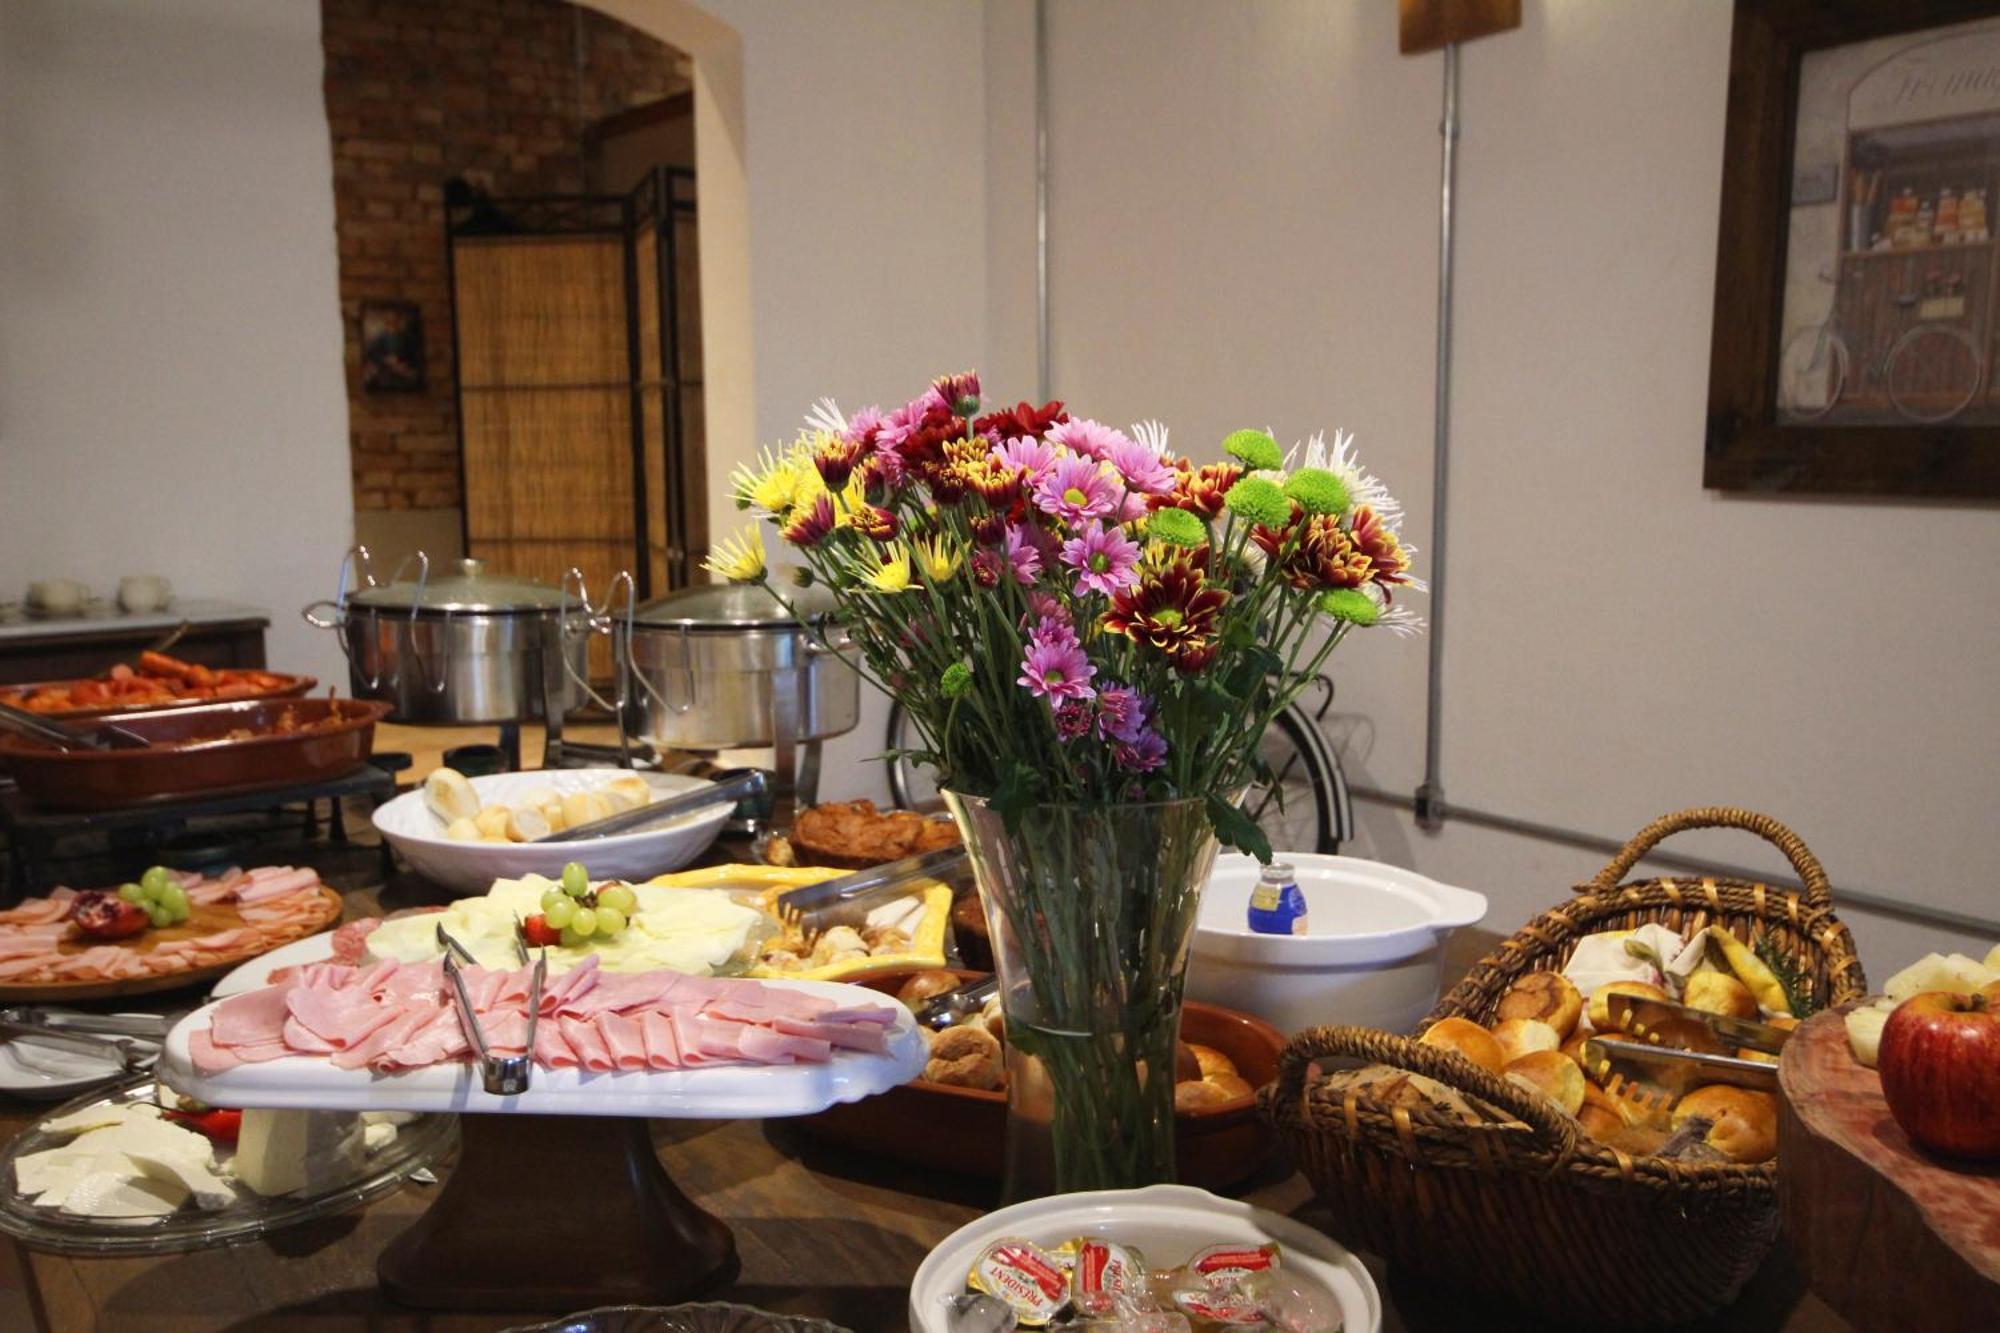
[(939, 557), (740, 559), (772, 485), (893, 573)]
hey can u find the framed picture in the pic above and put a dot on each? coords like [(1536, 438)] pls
[(1856, 343), (392, 347)]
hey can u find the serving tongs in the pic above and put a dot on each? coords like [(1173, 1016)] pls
[(146, 1027), (1649, 1020), (847, 899), (127, 1053), (501, 1075), (751, 785), (94, 736), (951, 1007), (1669, 1072)]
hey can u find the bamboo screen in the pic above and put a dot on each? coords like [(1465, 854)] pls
[(545, 407)]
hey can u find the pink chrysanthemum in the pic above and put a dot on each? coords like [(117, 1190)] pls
[(1037, 456), (1142, 468), (1105, 559), (987, 566), (1022, 556), (1057, 670), (864, 426), (1077, 488), (1121, 713), (1053, 632), (1092, 439), (1143, 755), (1046, 606), (908, 419)]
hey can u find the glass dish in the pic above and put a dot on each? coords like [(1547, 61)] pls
[(417, 1144), (705, 1317)]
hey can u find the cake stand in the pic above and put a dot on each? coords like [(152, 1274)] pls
[(558, 1200)]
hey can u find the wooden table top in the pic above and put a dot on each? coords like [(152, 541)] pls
[(818, 1233)]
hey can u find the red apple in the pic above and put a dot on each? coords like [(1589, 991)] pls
[(1940, 1066)]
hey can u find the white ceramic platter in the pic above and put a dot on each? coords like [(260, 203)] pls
[(43, 1073), (257, 972), (716, 1092), (1168, 1223), (471, 867)]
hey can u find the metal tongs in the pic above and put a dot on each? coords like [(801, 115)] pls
[(746, 786), (946, 1008), (126, 1052), (846, 900), (90, 736), (1648, 1020), (501, 1075)]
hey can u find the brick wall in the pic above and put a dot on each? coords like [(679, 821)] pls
[(419, 91)]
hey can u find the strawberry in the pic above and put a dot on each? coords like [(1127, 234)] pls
[(540, 933)]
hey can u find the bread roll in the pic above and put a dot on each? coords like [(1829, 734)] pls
[(966, 1057), (1470, 1040), (584, 807), (492, 822), (1573, 1048), (1785, 1021), (462, 830), (449, 795), (920, 986), (1600, 999), (552, 811), (1211, 1061), (1719, 993), (1549, 997), (1745, 1121), (1524, 1036), (628, 791), (525, 824), (1206, 1094), (1600, 1115), (1552, 1074)]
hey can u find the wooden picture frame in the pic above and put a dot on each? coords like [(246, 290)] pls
[(391, 335), (1756, 443)]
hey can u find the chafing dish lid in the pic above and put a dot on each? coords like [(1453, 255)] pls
[(467, 587), (726, 606)]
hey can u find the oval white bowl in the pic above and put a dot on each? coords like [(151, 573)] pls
[(1168, 1223), (1369, 957), (471, 867)]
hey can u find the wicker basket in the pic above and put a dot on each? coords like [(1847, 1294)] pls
[(1535, 1213)]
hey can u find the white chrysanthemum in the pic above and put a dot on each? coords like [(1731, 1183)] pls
[(1362, 486), (1254, 559), (826, 416), (1153, 435), (1400, 620)]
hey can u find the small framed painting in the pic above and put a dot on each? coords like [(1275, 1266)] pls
[(392, 347), (1856, 338)]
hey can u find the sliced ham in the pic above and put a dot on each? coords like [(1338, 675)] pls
[(663, 1049), (342, 1018), (384, 1038), (263, 887), (350, 942), (623, 1039), (252, 1017), (587, 1042)]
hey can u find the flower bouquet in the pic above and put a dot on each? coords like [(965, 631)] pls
[(1091, 635)]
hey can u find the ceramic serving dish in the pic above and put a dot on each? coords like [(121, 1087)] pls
[(1370, 955), (190, 754), (958, 1129), (706, 1317)]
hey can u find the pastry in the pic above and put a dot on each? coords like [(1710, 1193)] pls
[(1548, 996), (966, 1057), (1523, 1036), (854, 835), (1553, 1075), (1719, 993), (1600, 999), (1470, 1040), (1743, 1121), (920, 986)]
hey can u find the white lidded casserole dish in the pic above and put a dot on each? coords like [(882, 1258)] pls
[(1370, 955)]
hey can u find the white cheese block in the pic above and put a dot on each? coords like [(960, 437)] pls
[(115, 1193), (283, 1152), (98, 1117)]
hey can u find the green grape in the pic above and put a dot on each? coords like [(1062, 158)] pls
[(570, 939), (618, 896), (575, 879), (156, 880), (560, 912), (131, 893), (160, 917), (610, 921), (175, 898), (584, 922), (552, 897)]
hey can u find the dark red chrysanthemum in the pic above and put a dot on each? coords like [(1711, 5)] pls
[(1198, 490), (1173, 609), (1022, 419)]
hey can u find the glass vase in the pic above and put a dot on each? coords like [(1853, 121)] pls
[(1090, 909)]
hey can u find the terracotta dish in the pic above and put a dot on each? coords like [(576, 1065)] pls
[(961, 1129), (204, 751), (158, 681)]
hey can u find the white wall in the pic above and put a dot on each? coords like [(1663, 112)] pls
[(1243, 232), (171, 394)]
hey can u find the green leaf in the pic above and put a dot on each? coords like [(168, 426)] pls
[(1016, 794), (1238, 830)]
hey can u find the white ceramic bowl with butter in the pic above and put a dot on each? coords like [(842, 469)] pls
[(1168, 1224), (1370, 955), (471, 867)]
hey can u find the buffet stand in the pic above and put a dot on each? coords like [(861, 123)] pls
[(558, 1201)]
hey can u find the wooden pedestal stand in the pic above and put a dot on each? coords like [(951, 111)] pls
[(1888, 1235), (557, 1212)]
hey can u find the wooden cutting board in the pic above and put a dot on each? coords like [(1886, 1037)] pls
[(1887, 1234)]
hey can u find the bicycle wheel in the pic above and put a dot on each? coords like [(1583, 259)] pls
[(1934, 372), (1812, 372), (1303, 808)]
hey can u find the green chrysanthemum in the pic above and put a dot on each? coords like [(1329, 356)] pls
[(1259, 452), (1259, 501), (1318, 491), (1177, 527), (1350, 604), (956, 680)]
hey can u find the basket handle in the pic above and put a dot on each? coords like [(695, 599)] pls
[(1550, 1126), (1818, 892)]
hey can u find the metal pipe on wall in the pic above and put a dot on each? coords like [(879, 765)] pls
[(1429, 802), (1042, 201)]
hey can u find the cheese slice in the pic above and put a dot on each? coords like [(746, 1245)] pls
[(99, 1117), (117, 1193)]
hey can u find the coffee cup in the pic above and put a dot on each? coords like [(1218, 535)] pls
[(144, 592), (59, 597)]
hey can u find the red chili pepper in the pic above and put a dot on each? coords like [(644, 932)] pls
[(220, 1125), (540, 933)]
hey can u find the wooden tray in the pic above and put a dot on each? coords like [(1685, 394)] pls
[(961, 1129), (1889, 1235), (203, 920)]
